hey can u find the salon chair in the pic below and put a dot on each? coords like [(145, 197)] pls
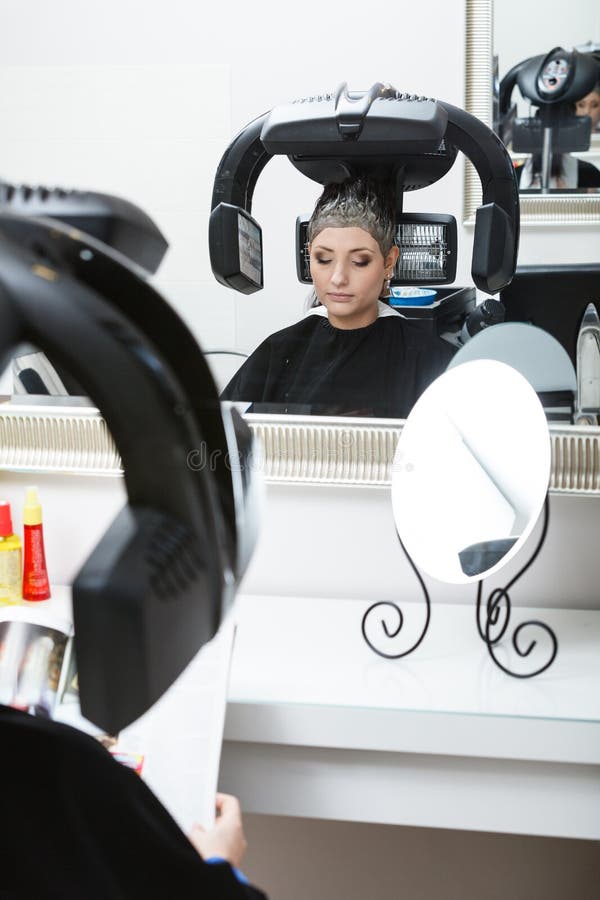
[(223, 364)]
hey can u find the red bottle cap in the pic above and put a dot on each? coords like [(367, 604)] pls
[(6, 526)]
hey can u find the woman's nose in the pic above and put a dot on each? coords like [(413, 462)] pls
[(340, 273)]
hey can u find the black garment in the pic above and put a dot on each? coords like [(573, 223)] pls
[(588, 176), (313, 367), (77, 825)]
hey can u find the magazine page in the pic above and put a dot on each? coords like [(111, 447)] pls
[(35, 656), (180, 737)]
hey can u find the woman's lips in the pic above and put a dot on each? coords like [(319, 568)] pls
[(340, 296)]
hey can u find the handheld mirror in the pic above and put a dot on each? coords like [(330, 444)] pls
[(471, 471)]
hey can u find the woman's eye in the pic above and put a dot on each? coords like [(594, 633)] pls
[(361, 262), (322, 261)]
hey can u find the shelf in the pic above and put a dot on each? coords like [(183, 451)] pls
[(318, 726), (303, 674)]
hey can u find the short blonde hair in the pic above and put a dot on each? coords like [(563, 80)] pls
[(360, 202)]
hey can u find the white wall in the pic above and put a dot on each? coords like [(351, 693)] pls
[(522, 30), (349, 536)]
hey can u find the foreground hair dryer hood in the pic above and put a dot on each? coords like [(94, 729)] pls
[(116, 222), (157, 584), (409, 141)]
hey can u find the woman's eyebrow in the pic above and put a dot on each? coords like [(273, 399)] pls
[(354, 249)]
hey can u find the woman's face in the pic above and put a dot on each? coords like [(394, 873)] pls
[(590, 106), (348, 271)]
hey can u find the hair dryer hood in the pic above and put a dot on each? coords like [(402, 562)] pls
[(155, 587), (114, 221), (560, 76), (407, 140), (333, 136)]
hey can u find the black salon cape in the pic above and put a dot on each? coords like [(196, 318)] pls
[(77, 825), (314, 368)]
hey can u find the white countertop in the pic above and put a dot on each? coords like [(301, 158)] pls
[(319, 726), (295, 654), (298, 654)]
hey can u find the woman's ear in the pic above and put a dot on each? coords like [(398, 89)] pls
[(392, 257)]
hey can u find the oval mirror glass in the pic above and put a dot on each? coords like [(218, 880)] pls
[(470, 472)]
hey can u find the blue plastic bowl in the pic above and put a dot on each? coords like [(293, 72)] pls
[(412, 296)]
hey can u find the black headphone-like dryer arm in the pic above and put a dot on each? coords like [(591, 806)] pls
[(497, 220), (152, 590), (240, 167)]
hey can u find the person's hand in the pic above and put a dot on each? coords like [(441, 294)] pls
[(226, 838)]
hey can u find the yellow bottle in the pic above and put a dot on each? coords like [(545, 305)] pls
[(10, 558)]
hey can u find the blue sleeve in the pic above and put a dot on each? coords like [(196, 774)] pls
[(238, 874)]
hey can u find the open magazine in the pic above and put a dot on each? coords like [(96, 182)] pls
[(175, 746), (36, 660)]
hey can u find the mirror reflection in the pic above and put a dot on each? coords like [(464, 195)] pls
[(32, 372), (539, 358), (353, 353), (547, 95), (31, 376), (471, 471)]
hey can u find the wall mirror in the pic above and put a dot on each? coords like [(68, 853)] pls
[(352, 451), (498, 36)]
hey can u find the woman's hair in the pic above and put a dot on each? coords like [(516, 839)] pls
[(360, 202), (556, 165)]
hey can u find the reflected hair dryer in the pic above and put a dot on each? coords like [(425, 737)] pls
[(407, 140), (552, 82)]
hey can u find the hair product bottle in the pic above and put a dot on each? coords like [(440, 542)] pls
[(10, 558), (35, 574)]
